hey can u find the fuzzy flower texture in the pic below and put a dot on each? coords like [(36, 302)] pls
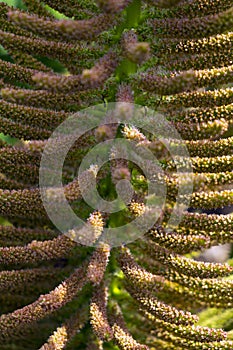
[(58, 58)]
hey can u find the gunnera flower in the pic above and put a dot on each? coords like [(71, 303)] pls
[(57, 59)]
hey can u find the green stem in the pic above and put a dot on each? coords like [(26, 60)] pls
[(133, 13)]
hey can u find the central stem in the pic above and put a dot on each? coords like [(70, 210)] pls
[(133, 14)]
